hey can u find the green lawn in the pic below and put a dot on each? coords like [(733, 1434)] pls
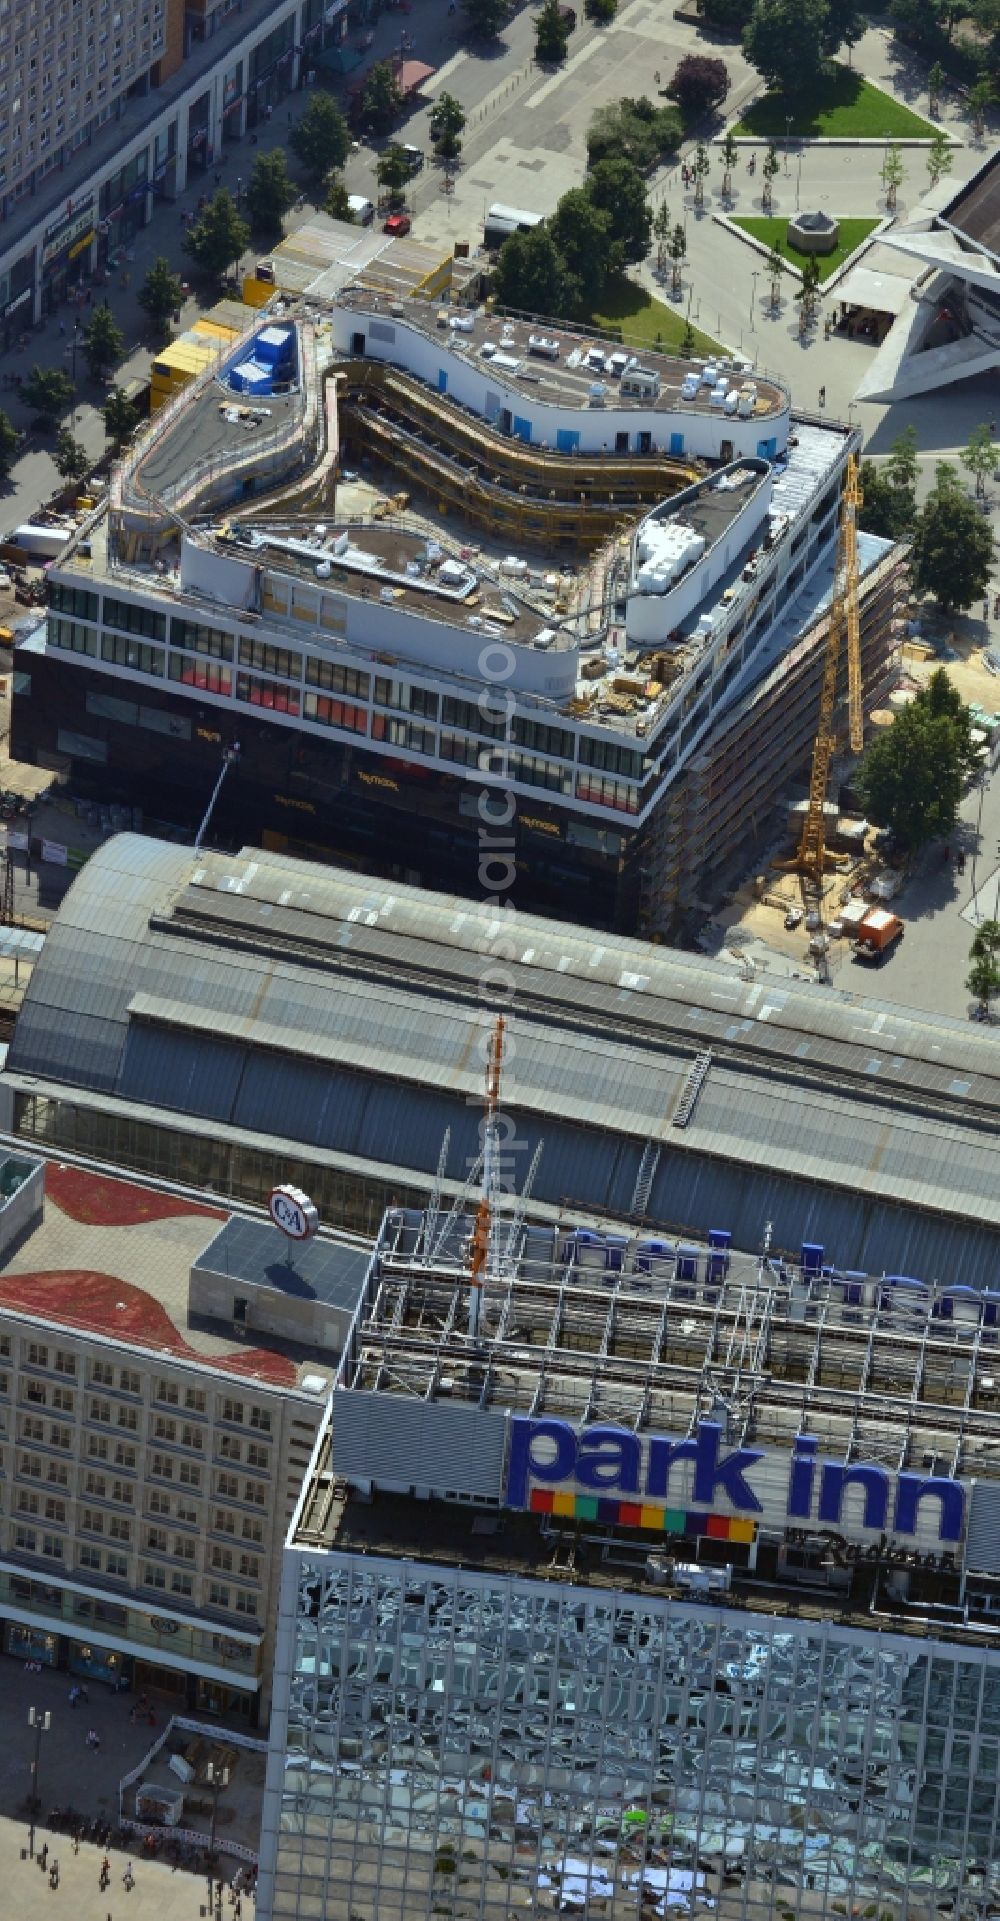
[(773, 232), (645, 322), (842, 107)]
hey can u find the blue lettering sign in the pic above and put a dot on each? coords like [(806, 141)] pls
[(609, 1459)]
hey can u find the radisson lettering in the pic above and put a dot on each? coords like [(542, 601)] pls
[(636, 1471)]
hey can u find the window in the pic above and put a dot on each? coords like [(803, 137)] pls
[(32, 1429), (99, 1410), (135, 654), (245, 1603), (59, 1436), (608, 793), (410, 699), (97, 1447), (129, 1381), (195, 1400), (123, 1492), (218, 1596), (156, 1540), (249, 1567), (222, 1558), (232, 1411), (27, 1501), (335, 713), (65, 1363), (260, 1418), (130, 619), (203, 674), (55, 1511), (403, 733), (270, 660), (227, 1485), (159, 1503), (166, 1391), (163, 1429), (57, 1474), (52, 1547), (201, 640), (335, 679), (63, 1398), (224, 1522), (275, 695), (230, 1448), (255, 1493), (89, 1557), (116, 1565), (31, 1465), (124, 1455), (129, 1417), (192, 1437), (101, 1374), (251, 1529), (190, 1474), (119, 1528), (161, 1467), (471, 719), (612, 758), (73, 600), (36, 1355), (96, 1485), (258, 1456), (186, 1511), (25, 1539), (183, 1549), (36, 1392), (181, 1583), (92, 1520), (153, 1576)]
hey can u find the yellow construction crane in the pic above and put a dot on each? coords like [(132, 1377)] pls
[(844, 620)]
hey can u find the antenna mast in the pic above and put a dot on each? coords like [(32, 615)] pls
[(483, 1246)]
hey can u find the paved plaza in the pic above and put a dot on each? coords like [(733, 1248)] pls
[(159, 1893)]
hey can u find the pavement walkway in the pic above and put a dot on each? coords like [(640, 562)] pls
[(159, 1893)]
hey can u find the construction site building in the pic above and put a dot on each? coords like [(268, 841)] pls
[(660, 535)]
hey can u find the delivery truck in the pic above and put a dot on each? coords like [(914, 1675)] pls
[(876, 934)]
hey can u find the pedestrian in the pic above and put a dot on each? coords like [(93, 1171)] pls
[(270, 110), (54, 1874), (43, 1857), (62, 326)]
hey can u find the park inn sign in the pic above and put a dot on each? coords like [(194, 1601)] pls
[(701, 1485)]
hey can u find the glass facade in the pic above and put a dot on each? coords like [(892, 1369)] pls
[(464, 1744)]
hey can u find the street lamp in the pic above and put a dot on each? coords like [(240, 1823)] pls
[(217, 1779), (41, 1721), (788, 137)]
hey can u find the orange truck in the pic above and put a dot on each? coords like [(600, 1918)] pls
[(876, 933)]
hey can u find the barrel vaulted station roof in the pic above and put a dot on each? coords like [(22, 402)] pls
[(343, 1018)]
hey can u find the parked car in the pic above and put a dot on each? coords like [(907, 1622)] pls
[(793, 918), (397, 224)]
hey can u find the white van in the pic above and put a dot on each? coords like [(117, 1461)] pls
[(361, 210)]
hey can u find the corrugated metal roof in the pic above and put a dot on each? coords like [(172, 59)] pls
[(341, 1013)]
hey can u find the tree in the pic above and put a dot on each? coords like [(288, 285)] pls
[(621, 191), (602, 12), (784, 41), (983, 978), (699, 83), (447, 123), (581, 231), (218, 237), (770, 165), (270, 192), (552, 32), (935, 83), (980, 458), (979, 100), (72, 460), (485, 17), (103, 342), (893, 175), (678, 253), (911, 777), (844, 26), (808, 293), (381, 98), (730, 157), (635, 130), (940, 698), (952, 545), (321, 140), (701, 170), (731, 15), (775, 269), (10, 440), (338, 201), (120, 416), (687, 341), (938, 157), (47, 391), (889, 501), (661, 234), (393, 171), (529, 274), (160, 294)]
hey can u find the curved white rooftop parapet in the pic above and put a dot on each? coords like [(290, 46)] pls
[(686, 546)]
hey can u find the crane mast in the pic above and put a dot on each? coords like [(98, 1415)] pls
[(845, 624)]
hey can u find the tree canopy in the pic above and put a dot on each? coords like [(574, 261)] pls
[(581, 231), (103, 342), (160, 294), (953, 547), (393, 172), (889, 500), (530, 274), (218, 237), (983, 979), (321, 140), (552, 31), (911, 777), (120, 416), (634, 130), (71, 457), (699, 83), (270, 191), (447, 123), (485, 17), (787, 41), (615, 186), (47, 390), (381, 99), (9, 443)]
